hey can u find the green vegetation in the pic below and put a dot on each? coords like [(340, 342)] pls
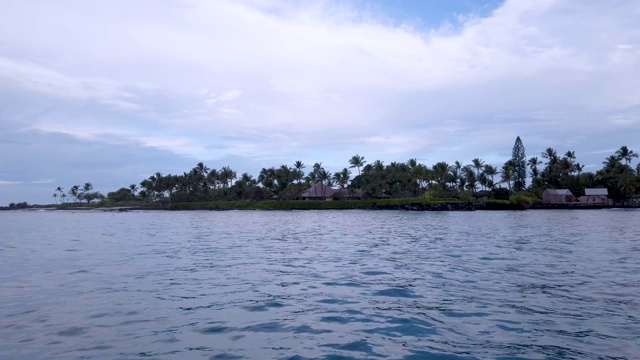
[(309, 205), (522, 200), (402, 183)]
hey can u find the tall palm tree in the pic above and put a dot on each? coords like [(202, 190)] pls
[(478, 164), (533, 163), (378, 165), (611, 161), (507, 174), (55, 197), (299, 174), (75, 191), (323, 176), (86, 188), (337, 177), (346, 174), (624, 153), (133, 188), (551, 156), (285, 176), (571, 156), (60, 191), (213, 178), (246, 178), (202, 170), (440, 172), (227, 176), (357, 161), (457, 165), (312, 179), (491, 171), (470, 178), (299, 165), (317, 167)]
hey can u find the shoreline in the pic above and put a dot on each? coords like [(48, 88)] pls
[(384, 204)]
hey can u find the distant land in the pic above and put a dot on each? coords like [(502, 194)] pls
[(518, 184)]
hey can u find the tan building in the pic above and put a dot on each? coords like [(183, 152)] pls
[(597, 196)]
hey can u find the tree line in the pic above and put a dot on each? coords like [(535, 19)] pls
[(378, 180)]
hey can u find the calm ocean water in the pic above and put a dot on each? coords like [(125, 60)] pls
[(320, 285)]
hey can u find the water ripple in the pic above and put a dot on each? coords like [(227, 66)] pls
[(320, 285)]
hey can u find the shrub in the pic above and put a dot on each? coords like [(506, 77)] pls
[(522, 200)]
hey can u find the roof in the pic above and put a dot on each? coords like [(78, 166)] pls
[(563, 192), (596, 192), (319, 190)]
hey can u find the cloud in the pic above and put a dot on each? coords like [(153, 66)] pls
[(7, 182), (280, 81), (226, 96), (48, 181)]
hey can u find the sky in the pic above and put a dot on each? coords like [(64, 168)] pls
[(110, 92)]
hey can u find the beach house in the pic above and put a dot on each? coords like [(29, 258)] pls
[(557, 196), (596, 196)]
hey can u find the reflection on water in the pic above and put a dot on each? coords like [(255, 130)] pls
[(320, 285)]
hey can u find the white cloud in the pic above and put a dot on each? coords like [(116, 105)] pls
[(7, 182), (323, 79), (226, 96), (33, 77), (48, 181)]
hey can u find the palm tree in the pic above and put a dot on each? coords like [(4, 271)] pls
[(533, 163), (457, 165), (624, 153), (246, 178), (324, 176), (551, 156), (75, 191), (507, 174), (478, 164), (213, 178), (55, 197), (611, 161), (571, 156), (470, 178), (299, 165), (86, 188), (299, 174), (202, 170), (346, 174), (440, 172), (483, 180), (227, 176), (490, 171), (357, 161), (60, 191), (337, 177), (316, 167), (378, 165)]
